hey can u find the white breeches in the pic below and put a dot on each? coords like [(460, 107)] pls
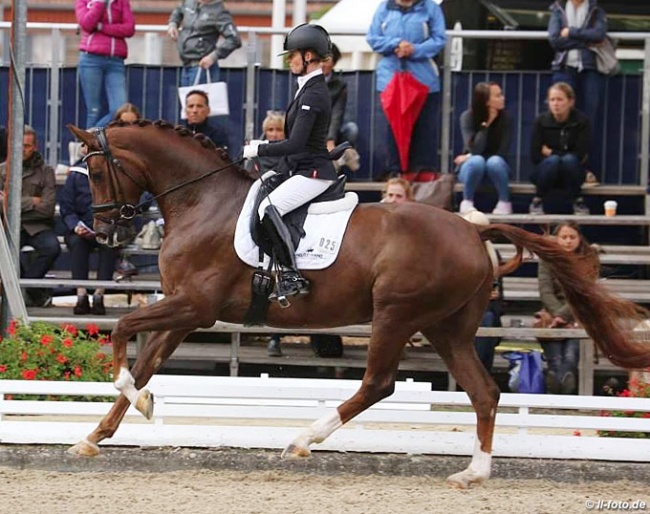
[(294, 192)]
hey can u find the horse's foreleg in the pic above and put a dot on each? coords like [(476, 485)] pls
[(156, 351), (175, 312), (460, 357), (378, 383)]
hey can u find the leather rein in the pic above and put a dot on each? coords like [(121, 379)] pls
[(128, 211)]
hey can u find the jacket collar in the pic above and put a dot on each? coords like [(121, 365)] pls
[(305, 78), (35, 161)]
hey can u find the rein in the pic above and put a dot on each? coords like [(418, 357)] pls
[(128, 211)]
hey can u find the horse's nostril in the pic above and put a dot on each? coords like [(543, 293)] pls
[(101, 238)]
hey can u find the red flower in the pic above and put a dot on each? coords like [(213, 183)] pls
[(67, 342), (70, 329), (23, 356), (101, 356), (66, 375), (3, 368), (29, 374), (61, 358), (11, 330), (577, 433), (77, 371), (46, 339), (92, 329), (104, 340)]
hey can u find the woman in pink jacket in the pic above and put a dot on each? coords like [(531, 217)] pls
[(105, 25)]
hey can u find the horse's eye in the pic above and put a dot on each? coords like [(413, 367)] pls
[(95, 176)]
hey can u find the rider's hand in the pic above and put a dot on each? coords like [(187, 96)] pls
[(251, 149)]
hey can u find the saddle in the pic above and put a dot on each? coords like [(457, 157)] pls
[(294, 220)]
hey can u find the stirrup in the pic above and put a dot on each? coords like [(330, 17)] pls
[(289, 283)]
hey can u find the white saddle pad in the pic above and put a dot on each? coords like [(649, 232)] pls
[(325, 226)]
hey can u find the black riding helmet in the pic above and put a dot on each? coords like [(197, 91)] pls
[(308, 37)]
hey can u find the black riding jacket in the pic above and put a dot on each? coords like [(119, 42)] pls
[(307, 122)]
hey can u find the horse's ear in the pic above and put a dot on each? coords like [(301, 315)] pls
[(83, 135)]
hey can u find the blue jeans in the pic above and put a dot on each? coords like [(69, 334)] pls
[(485, 345), (188, 75), (99, 73), (47, 249), (562, 356), (422, 150), (477, 169), (564, 172)]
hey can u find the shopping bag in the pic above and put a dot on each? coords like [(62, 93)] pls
[(217, 95), (526, 372)]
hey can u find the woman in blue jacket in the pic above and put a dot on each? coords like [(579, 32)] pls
[(75, 204), (409, 34)]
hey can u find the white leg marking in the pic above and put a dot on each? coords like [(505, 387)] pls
[(319, 430), (481, 464), (125, 384)]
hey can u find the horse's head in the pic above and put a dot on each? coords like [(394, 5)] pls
[(116, 183)]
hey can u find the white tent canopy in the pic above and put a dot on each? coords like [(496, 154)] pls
[(353, 15)]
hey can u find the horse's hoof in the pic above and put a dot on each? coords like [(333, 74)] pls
[(144, 405), (84, 448), (464, 480), (295, 452)]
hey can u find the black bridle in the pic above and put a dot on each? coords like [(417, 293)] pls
[(128, 211)]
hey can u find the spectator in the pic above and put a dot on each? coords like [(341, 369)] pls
[(562, 354), (127, 113), (338, 131), (197, 107), (273, 130), (76, 211), (408, 34), (3, 144), (397, 190), (559, 148), (573, 27), (37, 218), (197, 26), (486, 133), (105, 25)]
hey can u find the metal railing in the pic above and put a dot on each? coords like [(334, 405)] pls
[(252, 89)]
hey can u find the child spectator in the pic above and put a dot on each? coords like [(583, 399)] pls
[(562, 354), (559, 146), (486, 133), (76, 211)]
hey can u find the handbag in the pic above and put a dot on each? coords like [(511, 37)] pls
[(217, 95), (439, 193), (526, 372), (606, 60)]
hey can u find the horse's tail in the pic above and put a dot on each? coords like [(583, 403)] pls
[(607, 318)]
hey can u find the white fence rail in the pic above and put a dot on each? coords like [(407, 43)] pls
[(269, 412)]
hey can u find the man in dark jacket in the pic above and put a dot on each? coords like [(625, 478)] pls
[(202, 23), (197, 108), (37, 216)]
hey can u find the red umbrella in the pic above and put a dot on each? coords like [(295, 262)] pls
[(402, 101)]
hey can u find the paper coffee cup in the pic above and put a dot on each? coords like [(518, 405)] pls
[(610, 208)]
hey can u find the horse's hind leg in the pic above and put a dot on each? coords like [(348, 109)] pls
[(454, 341), (386, 344), (156, 351)]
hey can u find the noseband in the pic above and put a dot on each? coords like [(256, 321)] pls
[(127, 211)]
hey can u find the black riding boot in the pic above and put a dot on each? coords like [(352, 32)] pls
[(290, 282)]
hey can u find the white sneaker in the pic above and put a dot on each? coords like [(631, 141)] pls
[(466, 206), (503, 208)]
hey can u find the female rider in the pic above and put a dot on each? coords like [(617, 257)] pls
[(305, 159)]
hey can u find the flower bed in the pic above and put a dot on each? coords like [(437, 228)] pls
[(44, 351), (637, 388)]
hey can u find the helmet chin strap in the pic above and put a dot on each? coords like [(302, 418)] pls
[(306, 63)]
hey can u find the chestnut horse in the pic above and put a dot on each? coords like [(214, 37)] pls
[(404, 268)]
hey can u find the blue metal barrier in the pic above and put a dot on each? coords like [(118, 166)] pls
[(154, 90)]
